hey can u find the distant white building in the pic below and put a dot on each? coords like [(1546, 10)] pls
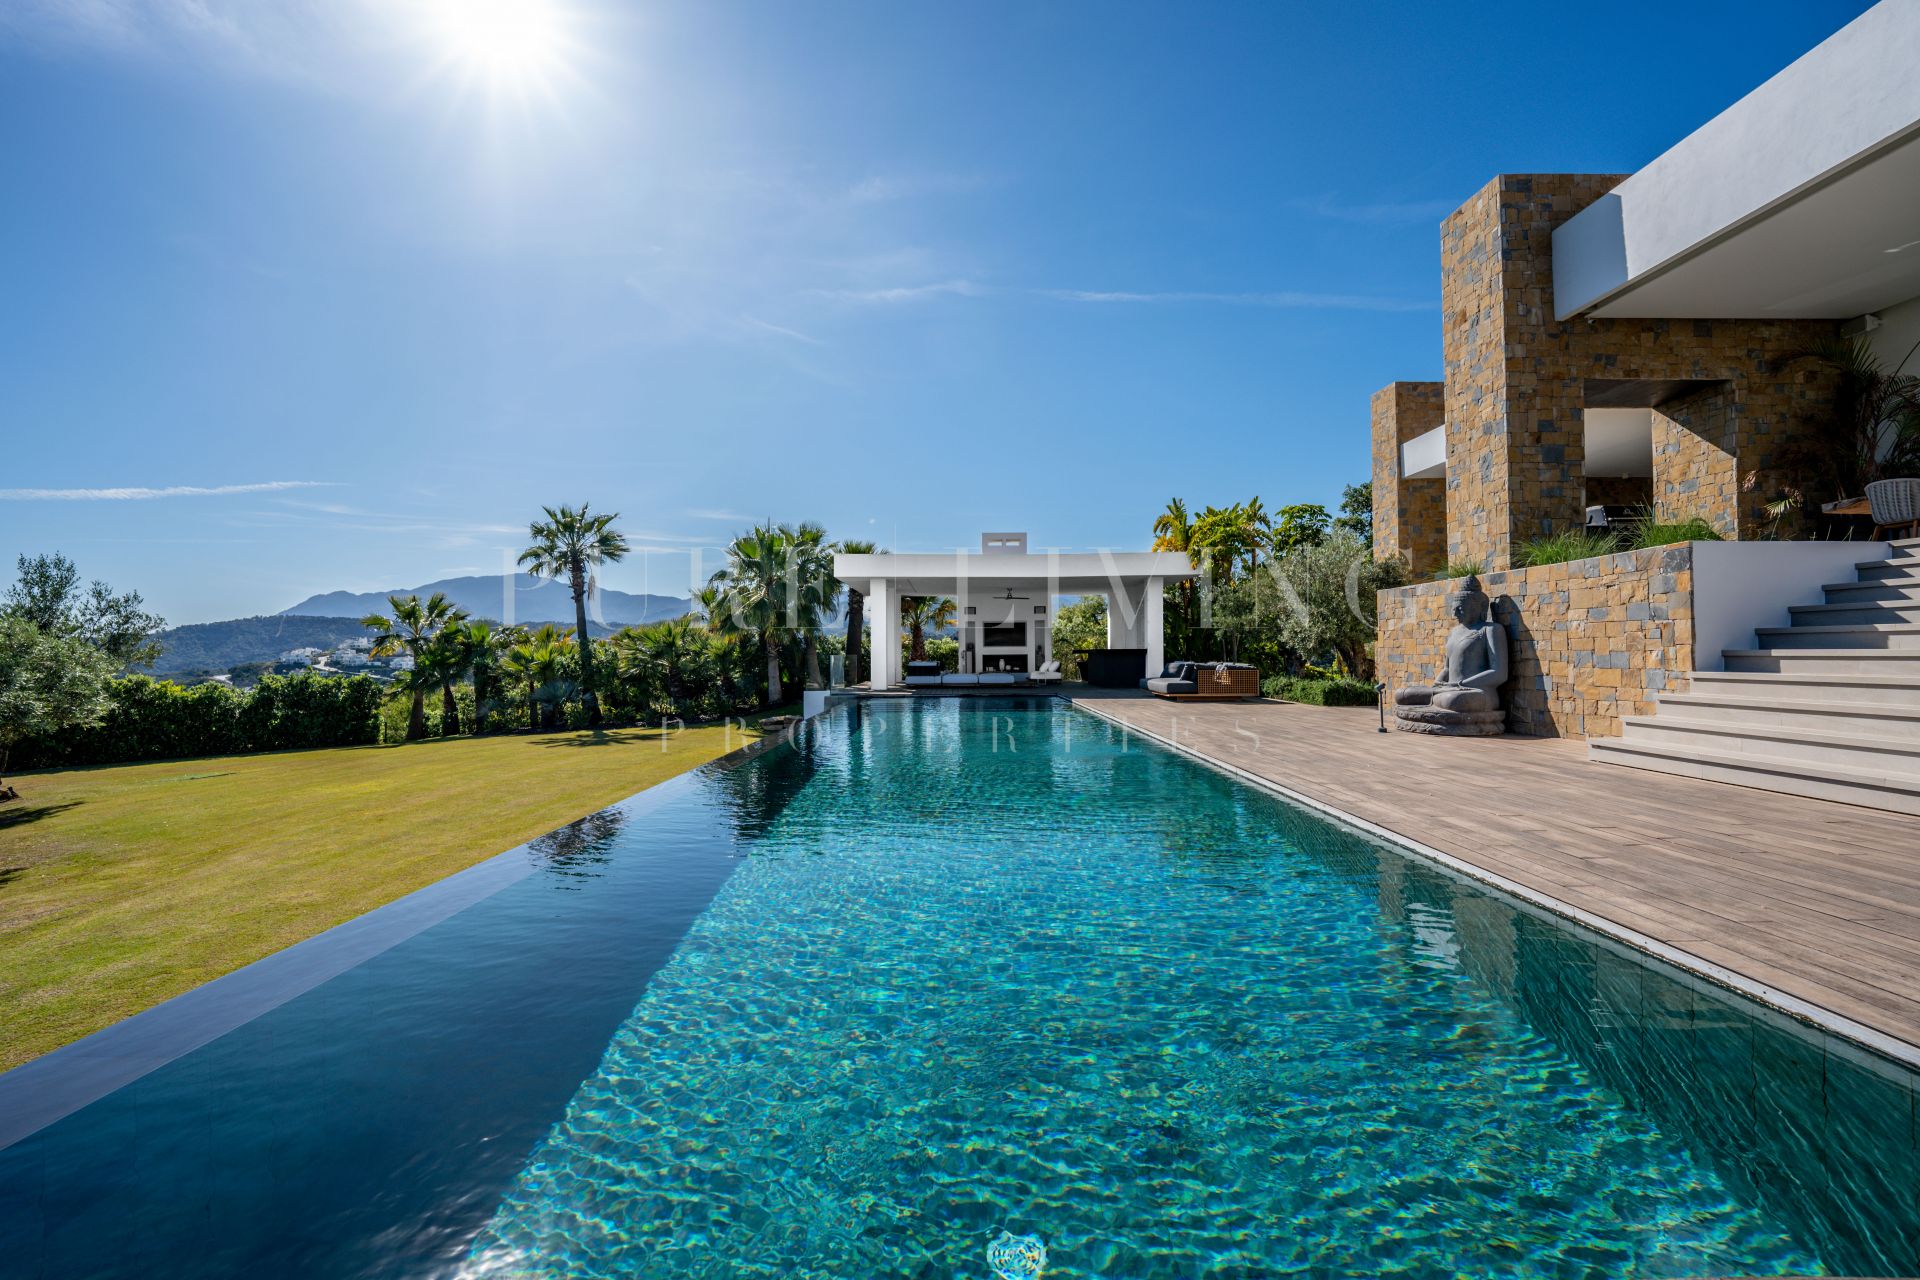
[(402, 663), (346, 656), (306, 655)]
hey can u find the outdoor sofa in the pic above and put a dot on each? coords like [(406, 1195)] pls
[(1205, 681)]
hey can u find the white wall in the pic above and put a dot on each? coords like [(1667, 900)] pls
[(1898, 334), (1739, 587)]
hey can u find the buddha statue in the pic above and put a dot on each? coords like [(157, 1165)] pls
[(1464, 699)]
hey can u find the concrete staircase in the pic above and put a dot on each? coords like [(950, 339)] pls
[(1827, 707)]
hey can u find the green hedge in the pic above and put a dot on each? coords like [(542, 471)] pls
[(150, 719), (1320, 693)]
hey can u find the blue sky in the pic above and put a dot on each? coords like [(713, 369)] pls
[(305, 295)]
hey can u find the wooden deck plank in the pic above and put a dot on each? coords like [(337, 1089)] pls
[(1815, 899)]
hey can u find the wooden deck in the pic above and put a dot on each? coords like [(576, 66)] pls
[(1805, 901)]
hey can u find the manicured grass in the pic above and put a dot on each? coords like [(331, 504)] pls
[(125, 885)]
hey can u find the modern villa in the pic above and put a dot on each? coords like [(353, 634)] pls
[(1608, 968), (1623, 343)]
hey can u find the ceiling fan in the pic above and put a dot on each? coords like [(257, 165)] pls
[(1008, 596)]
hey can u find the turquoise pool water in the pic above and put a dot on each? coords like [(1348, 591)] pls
[(951, 969)]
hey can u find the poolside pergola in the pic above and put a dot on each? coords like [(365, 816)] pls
[(1004, 594)]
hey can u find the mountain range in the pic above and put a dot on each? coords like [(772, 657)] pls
[(519, 597)]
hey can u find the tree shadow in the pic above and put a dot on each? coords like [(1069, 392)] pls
[(20, 814)]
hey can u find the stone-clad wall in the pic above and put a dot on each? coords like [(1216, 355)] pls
[(1517, 381), (1409, 516), (1591, 640)]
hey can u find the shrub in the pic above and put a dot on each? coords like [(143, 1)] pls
[(1656, 533), (1334, 692), (148, 719), (1459, 569), (1558, 548)]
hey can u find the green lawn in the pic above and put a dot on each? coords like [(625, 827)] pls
[(125, 885)]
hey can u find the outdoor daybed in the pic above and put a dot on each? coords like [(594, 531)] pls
[(1205, 682)]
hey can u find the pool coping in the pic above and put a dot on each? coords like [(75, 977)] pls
[(1875, 1047), (45, 1090)]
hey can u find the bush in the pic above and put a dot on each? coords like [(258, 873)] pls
[(1558, 548), (1656, 533), (1459, 569), (150, 719), (1335, 692)]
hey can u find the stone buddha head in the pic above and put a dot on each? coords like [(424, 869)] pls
[(1469, 604)]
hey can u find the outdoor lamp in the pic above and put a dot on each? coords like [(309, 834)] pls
[(1380, 700)]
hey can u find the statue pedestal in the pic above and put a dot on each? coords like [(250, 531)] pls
[(1456, 724)]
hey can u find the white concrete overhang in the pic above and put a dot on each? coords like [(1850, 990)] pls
[(951, 573), (1800, 201), (1425, 456)]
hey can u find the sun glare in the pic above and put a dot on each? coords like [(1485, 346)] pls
[(503, 41)]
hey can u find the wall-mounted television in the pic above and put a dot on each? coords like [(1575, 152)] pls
[(1004, 635)]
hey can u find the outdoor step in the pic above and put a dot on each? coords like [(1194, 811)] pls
[(1900, 569), (1859, 635), (1715, 707), (1873, 589), (1765, 686), (1849, 612), (1905, 546), (1833, 662), (1878, 754), (1822, 782)]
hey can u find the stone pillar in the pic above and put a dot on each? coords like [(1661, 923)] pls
[(1409, 516), (885, 658), (1517, 381)]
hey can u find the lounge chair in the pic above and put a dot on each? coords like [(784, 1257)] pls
[(1049, 673), (1176, 677)]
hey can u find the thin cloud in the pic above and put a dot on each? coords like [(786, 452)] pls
[(881, 188), (1388, 213), (1283, 299), (717, 513), (909, 293), (141, 494), (756, 324)]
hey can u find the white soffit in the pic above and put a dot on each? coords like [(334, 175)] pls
[(1425, 456), (1802, 200)]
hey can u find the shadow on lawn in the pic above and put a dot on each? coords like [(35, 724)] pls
[(20, 814)]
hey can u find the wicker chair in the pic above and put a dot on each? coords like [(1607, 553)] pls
[(1896, 506)]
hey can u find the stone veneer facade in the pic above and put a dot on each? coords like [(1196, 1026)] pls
[(1591, 640), (1408, 515), (1518, 382)]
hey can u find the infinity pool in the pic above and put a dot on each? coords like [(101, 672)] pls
[(947, 969)]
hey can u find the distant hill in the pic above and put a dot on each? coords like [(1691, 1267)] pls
[(533, 600), (218, 646)]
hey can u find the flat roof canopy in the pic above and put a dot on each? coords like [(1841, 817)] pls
[(952, 573)]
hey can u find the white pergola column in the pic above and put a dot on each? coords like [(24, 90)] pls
[(1123, 617), (1155, 625), (886, 634)]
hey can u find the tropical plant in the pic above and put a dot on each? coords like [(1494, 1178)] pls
[(1873, 431), (759, 595), (483, 646), (816, 594), (572, 544), (921, 614), (856, 614), (1559, 548), (410, 629)]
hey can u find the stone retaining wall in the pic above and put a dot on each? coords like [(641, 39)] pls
[(1591, 640)]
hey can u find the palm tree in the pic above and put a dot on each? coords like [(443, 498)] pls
[(411, 630), (856, 613), (757, 588), (924, 613), (483, 645), (445, 664), (817, 594), (572, 544), (1172, 530)]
